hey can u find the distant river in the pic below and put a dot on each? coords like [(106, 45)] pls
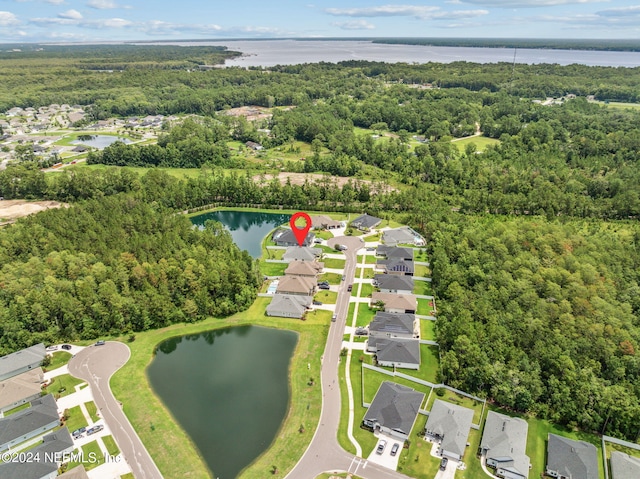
[(266, 53)]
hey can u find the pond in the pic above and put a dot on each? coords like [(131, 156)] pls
[(247, 228), (228, 389), (100, 141)]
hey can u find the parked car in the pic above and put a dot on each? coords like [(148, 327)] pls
[(370, 248), (350, 287), (95, 429), (443, 463), (394, 449), (78, 432), (100, 343), (343, 277), (317, 303), (324, 286), (361, 332), (317, 240), (66, 347), (323, 282), (381, 446), (52, 348)]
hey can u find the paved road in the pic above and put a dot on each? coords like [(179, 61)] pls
[(96, 365), (324, 453)]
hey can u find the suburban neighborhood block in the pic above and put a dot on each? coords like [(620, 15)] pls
[(42, 416), (504, 445)]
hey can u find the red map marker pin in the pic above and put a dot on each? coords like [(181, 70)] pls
[(300, 233)]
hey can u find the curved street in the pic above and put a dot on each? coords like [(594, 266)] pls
[(324, 454), (96, 365)]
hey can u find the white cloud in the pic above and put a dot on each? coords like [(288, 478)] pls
[(620, 11), (417, 11), (112, 23), (8, 18), (355, 25), (71, 14), (55, 2), (528, 3), (102, 4)]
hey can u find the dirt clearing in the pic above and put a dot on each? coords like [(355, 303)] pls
[(10, 210)]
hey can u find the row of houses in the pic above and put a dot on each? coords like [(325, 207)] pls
[(294, 292)]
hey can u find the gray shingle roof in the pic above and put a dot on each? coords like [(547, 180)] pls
[(505, 440), (43, 411), (397, 350), (394, 282), (624, 466), (285, 236), (399, 235), (574, 459), (452, 423), (365, 221), (397, 265), (21, 359), (27, 470), (291, 304), (394, 323), (395, 407), (19, 387), (395, 252), (305, 253)]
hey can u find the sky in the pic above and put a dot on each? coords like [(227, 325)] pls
[(128, 20)]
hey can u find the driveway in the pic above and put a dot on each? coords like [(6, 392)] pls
[(386, 459)]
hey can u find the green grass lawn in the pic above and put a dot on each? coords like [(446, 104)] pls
[(92, 450), (471, 459), (368, 273), (481, 142), (327, 297), (627, 450), (373, 237), (273, 253), (367, 289), (420, 254), (352, 307), (17, 409), (58, 359), (272, 269), (416, 461), (76, 419), (422, 270), (353, 232), (428, 329), (373, 379), (343, 439), (168, 444), (368, 259), (128, 475), (334, 263), (429, 365), (423, 307), (92, 409), (365, 315), (180, 173), (110, 444), (366, 438), (333, 278), (324, 234), (63, 385), (422, 287)]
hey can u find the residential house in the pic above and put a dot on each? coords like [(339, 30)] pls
[(568, 459), (365, 222), (395, 303), (21, 361), (449, 424), (323, 222), (388, 325), (285, 237), (504, 445), (393, 283), (296, 285), (394, 410), (395, 252), (402, 235), (396, 266), (75, 473), (50, 454), (41, 417), (80, 149), (296, 253), (288, 305), (624, 466), (20, 389), (399, 353), (254, 146), (310, 269)]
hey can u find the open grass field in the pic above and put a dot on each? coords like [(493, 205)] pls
[(616, 105), (63, 385), (171, 448), (481, 142), (58, 359), (181, 173)]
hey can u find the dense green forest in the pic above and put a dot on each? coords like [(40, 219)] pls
[(115, 265), (533, 241)]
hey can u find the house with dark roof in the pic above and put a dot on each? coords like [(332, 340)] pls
[(323, 222), (393, 283), (20, 389), (504, 445), (41, 417), (391, 325), (365, 222), (50, 454), (21, 361), (568, 459), (309, 269), (396, 266), (402, 235), (395, 303), (394, 410), (624, 466), (254, 146), (285, 237), (395, 252), (297, 253), (399, 353), (449, 424), (296, 285), (288, 305)]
